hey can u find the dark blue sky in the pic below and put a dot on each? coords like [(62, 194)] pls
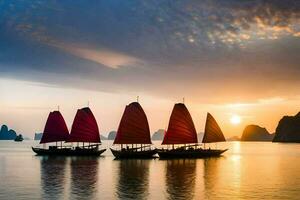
[(155, 46)]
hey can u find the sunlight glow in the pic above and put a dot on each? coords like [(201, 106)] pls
[(235, 119)]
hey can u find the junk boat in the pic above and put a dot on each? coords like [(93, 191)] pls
[(19, 138), (133, 135), (182, 136), (84, 129)]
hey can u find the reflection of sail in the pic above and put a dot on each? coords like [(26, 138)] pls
[(181, 178), (53, 177), (211, 180), (133, 179), (84, 177)]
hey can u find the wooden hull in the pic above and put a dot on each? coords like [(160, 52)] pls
[(127, 154), (68, 152), (194, 153)]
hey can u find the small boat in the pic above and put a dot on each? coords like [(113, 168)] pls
[(84, 129), (19, 138), (133, 135), (182, 133)]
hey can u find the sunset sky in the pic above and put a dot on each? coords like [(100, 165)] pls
[(233, 58)]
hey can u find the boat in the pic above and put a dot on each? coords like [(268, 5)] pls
[(182, 136), (133, 135), (84, 129), (19, 138), (55, 131)]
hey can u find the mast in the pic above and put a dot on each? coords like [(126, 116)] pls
[(133, 127), (181, 129), (212, 132), (55, 128)]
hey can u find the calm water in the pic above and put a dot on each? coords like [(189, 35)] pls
[(247, 170)]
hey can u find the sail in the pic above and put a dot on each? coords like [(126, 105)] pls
[(134, 127), (84, 128), (55, 129), (212, 132), (181, 129)]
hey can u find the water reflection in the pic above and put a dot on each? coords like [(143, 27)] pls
[(133, 180), (181, 178), (84, 177), (211, 177), (53, 177)]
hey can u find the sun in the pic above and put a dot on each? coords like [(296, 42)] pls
[(235, 119)]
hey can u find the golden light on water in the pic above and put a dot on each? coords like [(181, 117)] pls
[(235, 119)]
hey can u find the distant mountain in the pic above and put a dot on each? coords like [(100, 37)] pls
[(112, 135), (288, 129), (233, 138), (200, 137), (256, 133), (158, 135), (6, 134), (38, 136), (102, 137)]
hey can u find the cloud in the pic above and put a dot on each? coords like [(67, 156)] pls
[(105, 57), (144, 22), (211, 50)]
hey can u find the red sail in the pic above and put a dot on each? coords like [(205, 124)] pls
[(134, 127), (55, 129), (84, 128), (213, 132), (181, 128)]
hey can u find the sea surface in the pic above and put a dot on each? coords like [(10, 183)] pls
[(249, 170)]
